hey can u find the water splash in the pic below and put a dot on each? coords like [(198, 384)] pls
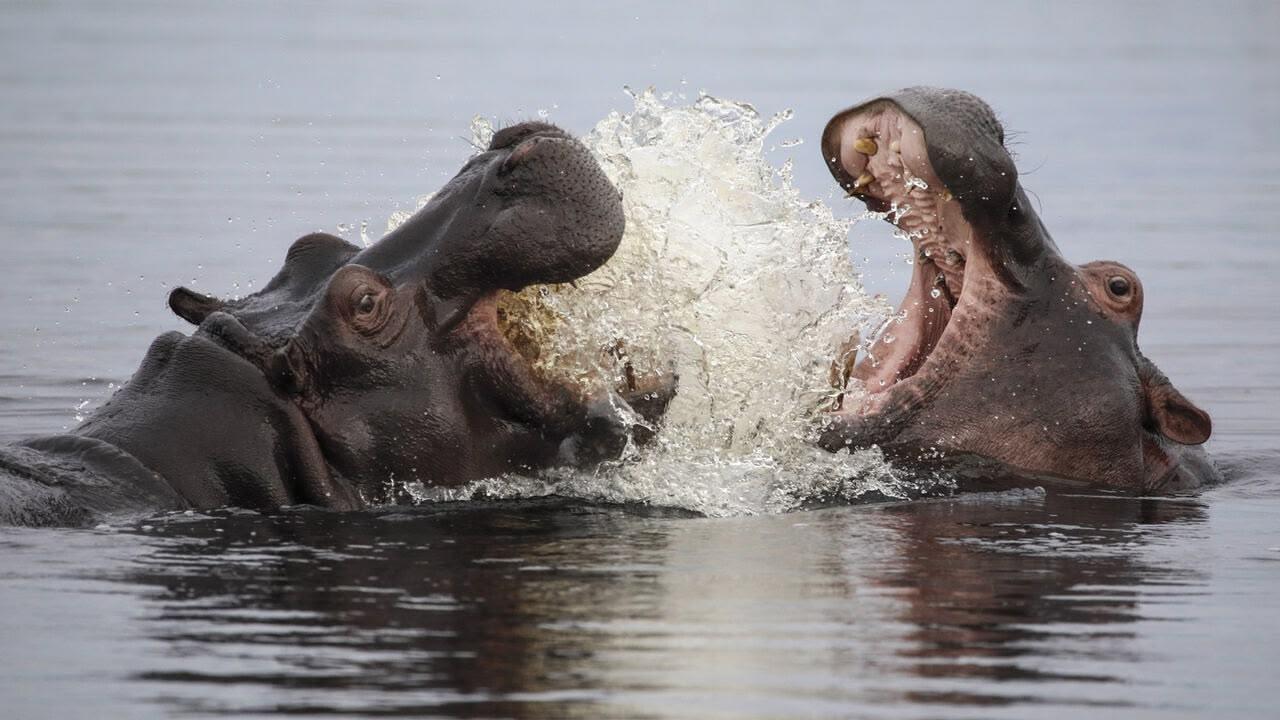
[(726, 275), (82, 410), (481, 132)]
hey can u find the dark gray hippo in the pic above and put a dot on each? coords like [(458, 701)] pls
[(1002, 349), (354, 370)]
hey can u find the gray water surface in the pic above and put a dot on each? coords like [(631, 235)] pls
[(146, 145)]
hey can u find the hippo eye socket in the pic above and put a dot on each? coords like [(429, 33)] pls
[(365, 304), (1119, 285)]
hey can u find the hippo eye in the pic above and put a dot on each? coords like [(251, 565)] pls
[(1118, 285), (365, 305)]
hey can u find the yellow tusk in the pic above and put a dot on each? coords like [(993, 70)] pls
[(866, 146)]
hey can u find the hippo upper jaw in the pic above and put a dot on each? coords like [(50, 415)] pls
[(534, 208)]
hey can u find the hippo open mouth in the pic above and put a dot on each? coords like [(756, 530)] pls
[(879, 155)]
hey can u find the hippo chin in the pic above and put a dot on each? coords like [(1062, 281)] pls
[(1001, 349), (355, 370)]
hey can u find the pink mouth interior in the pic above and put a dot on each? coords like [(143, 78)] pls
[(880, 156)]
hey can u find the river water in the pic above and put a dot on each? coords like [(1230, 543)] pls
[(145, 145)]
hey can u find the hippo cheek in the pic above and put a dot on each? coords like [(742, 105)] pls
[(382, 440)]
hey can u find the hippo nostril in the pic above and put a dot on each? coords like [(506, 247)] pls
[(514, 135), (520, 154), (526, 151)]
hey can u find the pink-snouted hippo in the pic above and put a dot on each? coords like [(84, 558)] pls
[(1001, 350)]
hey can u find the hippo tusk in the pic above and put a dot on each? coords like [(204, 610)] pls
[(866, 146)]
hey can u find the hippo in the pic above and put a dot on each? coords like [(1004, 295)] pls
[(355, 371), (1002, 350)]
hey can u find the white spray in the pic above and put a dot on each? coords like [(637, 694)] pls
[(726, 275)]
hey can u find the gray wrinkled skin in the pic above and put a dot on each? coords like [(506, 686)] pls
[(353, 368), (1008, 353)]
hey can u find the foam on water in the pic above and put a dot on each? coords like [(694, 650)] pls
[(731, 279)]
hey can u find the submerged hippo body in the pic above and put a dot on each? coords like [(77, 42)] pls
[(357, 369), (1003, 350)]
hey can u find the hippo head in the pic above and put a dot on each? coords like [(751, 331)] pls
[(1001, 348), (387, 363)]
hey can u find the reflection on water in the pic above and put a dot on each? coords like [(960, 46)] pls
[(979, 606), (995, 594)]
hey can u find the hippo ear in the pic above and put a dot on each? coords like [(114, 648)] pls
[(1173, 415), (1176, 417), (193, 306)]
